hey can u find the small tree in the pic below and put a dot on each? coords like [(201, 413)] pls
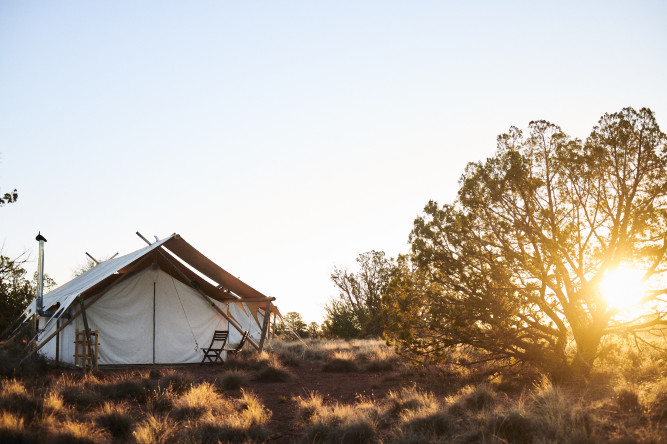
[(357, 311), (342, 320), (291, 323), (513, 267), (16, 291), (313, 330)]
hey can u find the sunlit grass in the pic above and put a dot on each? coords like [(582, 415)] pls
[(623, 400)]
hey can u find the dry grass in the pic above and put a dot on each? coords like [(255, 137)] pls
[(115, 420), (623, 400), (141, 406), (336, 423), (233, 380), (156, 430)]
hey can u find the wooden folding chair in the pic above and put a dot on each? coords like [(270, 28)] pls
[(234, 351), (212, 353)]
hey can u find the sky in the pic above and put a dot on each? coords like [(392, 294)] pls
[(282, 139)]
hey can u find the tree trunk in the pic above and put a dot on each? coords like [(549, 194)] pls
[(588, 341)]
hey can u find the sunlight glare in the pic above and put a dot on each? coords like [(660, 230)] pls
[(623, 287)]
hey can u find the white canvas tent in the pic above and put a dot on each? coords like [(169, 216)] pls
[(157, 305)]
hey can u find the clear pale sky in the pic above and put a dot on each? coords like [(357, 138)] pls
[(284, 138)]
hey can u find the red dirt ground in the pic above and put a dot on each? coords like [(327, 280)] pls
[(278, 397)]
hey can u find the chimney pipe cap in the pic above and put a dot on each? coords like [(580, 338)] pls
[(40, 237)]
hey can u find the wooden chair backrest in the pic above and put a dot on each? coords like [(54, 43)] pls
[(243, 339), (220, 336)]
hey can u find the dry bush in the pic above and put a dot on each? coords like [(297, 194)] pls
[(14, 398), (383, 359), (126, 387), (335, 423), (242, 420), (310, 408), (71, 431), (290, 354), (115, 420), (411, 400), (273, 374), (425, 428), (340, 361), (12, 429), (13, 364), (54, 404), (252, 412), (156, 430), (80, 396), (252, 361), (199, 400), (178, 381), (513, 426), (232, 380), (657, 401), (269, 369), (559, 417), (473, 398), (161, 400), (628, 399)]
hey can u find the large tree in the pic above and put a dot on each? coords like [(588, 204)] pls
[(513, 267)]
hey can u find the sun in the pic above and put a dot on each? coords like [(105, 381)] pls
[(623, 287)]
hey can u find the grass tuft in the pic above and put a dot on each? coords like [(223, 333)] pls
[(628, 400), (14, 398), (336, 423), (273, 374), (513, 427), (115, 420), (12, 429), (233, 380), (474, 399), (156, 430)]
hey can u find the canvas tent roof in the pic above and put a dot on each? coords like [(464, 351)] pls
[(172, 252)]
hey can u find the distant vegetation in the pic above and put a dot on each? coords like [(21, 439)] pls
[(357, 312)]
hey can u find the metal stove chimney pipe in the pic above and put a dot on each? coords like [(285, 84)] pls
[(40, 273)]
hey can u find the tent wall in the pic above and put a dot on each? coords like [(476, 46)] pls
[(145, 319), (244, 317), (65, 342)]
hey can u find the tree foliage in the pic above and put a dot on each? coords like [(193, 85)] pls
[(8, 198), (289, 324), (512, 268), (358, 311), (16, 290)]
